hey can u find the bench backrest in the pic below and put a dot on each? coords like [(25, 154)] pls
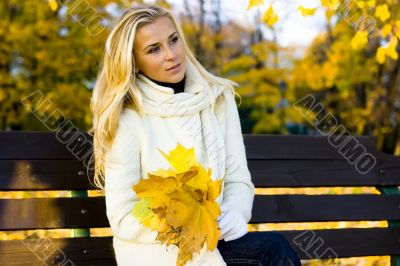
[(36, 161)]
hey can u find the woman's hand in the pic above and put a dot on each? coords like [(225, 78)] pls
[(231, 224)]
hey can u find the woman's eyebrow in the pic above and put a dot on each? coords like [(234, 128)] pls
[(157, 42)]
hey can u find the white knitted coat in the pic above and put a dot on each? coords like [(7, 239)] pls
[(134, 153)]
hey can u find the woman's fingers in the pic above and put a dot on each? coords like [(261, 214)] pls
[(220, 217), (237, 235), (232, 227), (239, 230), (223, 208), (225, 221)]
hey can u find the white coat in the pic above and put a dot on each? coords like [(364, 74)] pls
[(134, 153)]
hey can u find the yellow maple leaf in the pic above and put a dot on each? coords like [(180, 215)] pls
[(398, 29), (329, 13), (53, 5), (366, 3), (142, 211), (179, 204), (254, 3), (181, 159), (360, 4), (370, 3), (389, 50), (196, 215), (382, 12), (270, 17), (381, 55), (332, 4), (386, 30), (155, 189), (359, 40), (200, 180), (306, 11)]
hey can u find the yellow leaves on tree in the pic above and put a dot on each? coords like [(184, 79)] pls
[(366, 3), (270, 17), (254, 3), (389, 50), (53, 5), (360, 40), (179, 203), (382, 12), (331, 4), (306, 11), (398, 29), (386, 30)]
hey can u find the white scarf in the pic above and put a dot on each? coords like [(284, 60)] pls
[(161, 101)]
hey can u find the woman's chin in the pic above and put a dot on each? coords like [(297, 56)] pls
[(175, 78)]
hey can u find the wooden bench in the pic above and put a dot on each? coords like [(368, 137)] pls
[(35, 161)]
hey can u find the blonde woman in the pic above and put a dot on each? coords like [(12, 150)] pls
[(150, 95)]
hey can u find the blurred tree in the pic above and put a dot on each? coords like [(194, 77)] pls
[(53, 49), (353, 67), (349, 74)]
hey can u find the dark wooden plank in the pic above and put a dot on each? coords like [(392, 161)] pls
[(342, 243), (72, 174), (322, 173), (48, 213), (51, 213), (63, 145), (58, 251), (309, 208), (308, 244), (44, 175), (45, 145), (264, 146)]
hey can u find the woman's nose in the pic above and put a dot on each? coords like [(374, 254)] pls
[(169, 53)]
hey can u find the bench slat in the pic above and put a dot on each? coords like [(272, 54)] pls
[(51, 213), (350, 242), (44, 175), (72, 174), (58, 251), (318, 208), (291, 147), (44, 145), (322, 173), (63, 145)]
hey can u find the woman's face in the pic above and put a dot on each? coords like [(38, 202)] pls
[(157, 49)]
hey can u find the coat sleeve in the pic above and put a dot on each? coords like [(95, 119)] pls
[(122, 170), (239, 190)]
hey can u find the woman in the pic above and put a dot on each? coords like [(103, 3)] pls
[(150, 95)]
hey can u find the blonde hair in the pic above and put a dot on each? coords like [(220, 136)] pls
[(116, 87)]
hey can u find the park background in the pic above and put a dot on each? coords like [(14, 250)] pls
[(277, 51)]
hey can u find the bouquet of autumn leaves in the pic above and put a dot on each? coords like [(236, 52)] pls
[(179, 203)]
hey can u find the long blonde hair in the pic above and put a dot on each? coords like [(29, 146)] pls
[(116, 87)]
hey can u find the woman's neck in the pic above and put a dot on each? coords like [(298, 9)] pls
[(177, 87)]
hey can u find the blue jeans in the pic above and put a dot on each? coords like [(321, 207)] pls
[(259, 248)]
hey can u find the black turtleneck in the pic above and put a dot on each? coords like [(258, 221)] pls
[(177, 87)]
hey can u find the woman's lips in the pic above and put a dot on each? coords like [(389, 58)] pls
[(174, 67)]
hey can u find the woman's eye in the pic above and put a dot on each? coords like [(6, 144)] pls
[(153, 50)]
